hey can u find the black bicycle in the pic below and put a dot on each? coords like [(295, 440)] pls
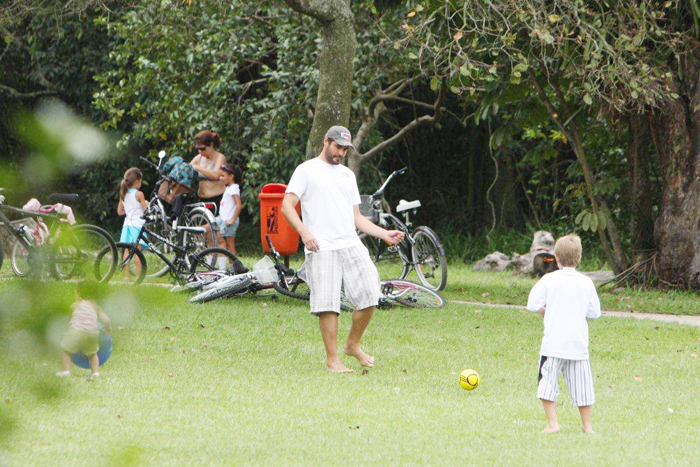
[(420, 249), (51, 244), (194, 214), (183, 257)]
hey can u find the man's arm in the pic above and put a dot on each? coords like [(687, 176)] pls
[(289, 212), (391, 237)]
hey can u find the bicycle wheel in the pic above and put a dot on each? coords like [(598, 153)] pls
[(391, 261), (226, 288), (198, 218), (208, 259), (411, 295), (78, 252), (20, 260), (294, 287), (159, 225), (429, 258), (132, 262)]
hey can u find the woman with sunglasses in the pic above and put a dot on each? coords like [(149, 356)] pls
[(208, 163)]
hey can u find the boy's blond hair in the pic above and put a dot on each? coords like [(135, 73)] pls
[(568, 250)]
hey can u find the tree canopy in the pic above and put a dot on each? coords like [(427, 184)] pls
[(569, 114)]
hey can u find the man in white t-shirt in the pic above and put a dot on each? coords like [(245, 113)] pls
[(335, 256)]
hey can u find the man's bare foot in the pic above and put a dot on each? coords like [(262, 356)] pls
[(363, 358), (588, 431), (338, 367), (551, 429)]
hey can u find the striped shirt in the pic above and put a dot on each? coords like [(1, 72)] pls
[(84, 317)]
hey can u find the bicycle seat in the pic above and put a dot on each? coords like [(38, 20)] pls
[(65, 198), (407, 205), (196, 230)]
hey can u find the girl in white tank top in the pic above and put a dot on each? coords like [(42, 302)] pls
[(132, 204)]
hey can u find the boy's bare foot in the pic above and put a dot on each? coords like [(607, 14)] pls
[(551, 429), (338, 367), (588, 431), (363, 358)]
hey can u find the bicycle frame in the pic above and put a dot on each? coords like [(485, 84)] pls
[(386, 220), (180, 252), (17, 233)]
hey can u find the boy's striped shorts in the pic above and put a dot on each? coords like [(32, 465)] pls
[(578, 377)]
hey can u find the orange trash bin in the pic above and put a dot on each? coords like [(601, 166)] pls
[(272, 222)]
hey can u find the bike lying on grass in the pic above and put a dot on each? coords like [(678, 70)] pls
[(393, 291), (420, 249), (67, 251), (273, 273), (266, 274)]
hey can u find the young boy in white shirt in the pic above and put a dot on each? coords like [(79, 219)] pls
[(567, 300)]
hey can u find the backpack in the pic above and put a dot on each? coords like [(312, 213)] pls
[(181, 179)]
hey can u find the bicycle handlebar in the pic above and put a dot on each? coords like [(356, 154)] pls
[(150, 163), (381, 189), (279, 266)]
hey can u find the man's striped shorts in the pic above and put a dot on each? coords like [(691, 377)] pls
[(578, 377), (350, 269)]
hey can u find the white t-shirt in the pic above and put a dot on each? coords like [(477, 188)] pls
[(570, 298), (328, 194), (227, 206), (133, 209)]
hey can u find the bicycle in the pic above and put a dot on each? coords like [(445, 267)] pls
[(67, 251), (194, 214), (265, 275), (186, 258), (392, 291), (420, 249)]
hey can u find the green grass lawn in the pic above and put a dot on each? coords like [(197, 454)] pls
[(243, 381)]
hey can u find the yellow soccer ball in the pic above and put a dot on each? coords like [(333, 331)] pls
[(469, 379)]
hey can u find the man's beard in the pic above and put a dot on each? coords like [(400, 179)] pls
[(331, 160)]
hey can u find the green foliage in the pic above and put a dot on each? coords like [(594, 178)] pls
[(615, 55)]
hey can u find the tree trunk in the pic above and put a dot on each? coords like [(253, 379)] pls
[(676, 132), (641, 224), (333, 100)]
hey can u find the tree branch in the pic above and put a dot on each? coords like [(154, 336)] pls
[(322, 10), (415, 123), (17, 95)]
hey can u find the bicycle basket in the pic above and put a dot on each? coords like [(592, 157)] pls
[(265, 270), (366, 208)]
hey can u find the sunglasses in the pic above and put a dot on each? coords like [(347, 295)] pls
[(200, 148)]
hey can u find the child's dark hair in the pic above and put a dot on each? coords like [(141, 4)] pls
[(88, 289), (131, 176), (207, 138), (236, 171)]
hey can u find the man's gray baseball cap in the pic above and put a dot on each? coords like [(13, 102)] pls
[(341, 136)]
